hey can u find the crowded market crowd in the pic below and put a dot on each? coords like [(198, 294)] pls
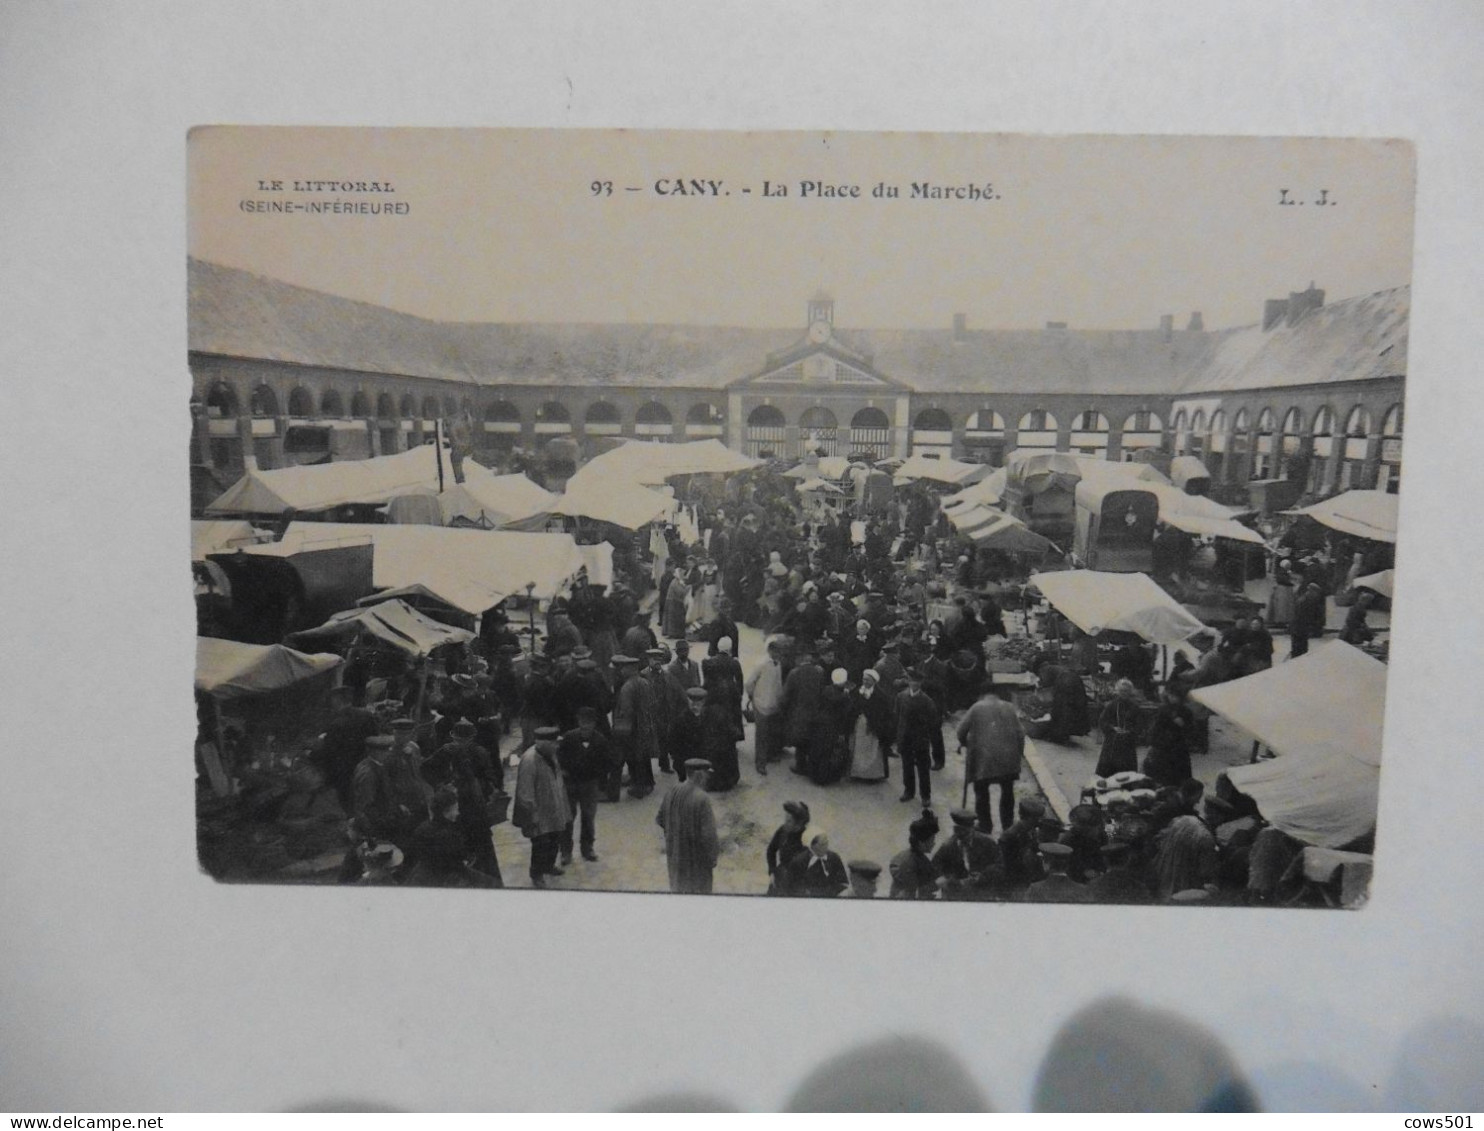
[(886, 638)]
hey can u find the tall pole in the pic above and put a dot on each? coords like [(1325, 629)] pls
[(438, 447)]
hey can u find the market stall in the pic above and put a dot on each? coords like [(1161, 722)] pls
[(1322, 715)]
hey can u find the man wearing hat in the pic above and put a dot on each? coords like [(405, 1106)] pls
[(969, 861), (1057, 887), (634, 725), (917, 717), (691, 844), (687, 735), (993, 742), (1309, 615), (685, 670), (344, 743), (817, 871), (913, 875), (890, 668), (376, 807), (537, 705), (542, 809), (1122, 881), (564, 635), (586, 757), (669, 702), (864, 875), (1020, 844)]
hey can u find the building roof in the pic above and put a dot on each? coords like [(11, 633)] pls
[(1355, 339), (239, 314)]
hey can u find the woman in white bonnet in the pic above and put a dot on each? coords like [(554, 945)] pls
[(875, 727)]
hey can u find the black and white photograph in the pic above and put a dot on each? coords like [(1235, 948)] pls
[(811, 515)]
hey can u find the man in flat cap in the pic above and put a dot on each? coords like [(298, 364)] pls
[(687, 736), (969, 861), (691, 845), (542, 810), (634, 724), (993, 741), (1020, 845), (1057, 887), (917, 718), (586, 757), (375, 803), (864, 877)]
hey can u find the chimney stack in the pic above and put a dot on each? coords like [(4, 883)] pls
[(1196, 321), (1166, 326), (1300, 303), (1275, 310), (960, 327)]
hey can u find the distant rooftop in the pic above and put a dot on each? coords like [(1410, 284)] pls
[(240, 314)]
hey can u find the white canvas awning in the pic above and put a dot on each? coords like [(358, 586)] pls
[(495, 500), (321, 486), (825, 467), (393, 622), (650, 464), (1186, 469), (1365, 514), (1322, 714), (471, 570), (1007, 533), (950, 471), (618, 501), (1196, 514), (822, 486), (1125, 602), (228, 669), (987, 492), (216, 536)]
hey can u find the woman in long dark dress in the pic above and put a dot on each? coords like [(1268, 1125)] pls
[(719, 741), (829, 746), (1119, 723), (1168, 760)]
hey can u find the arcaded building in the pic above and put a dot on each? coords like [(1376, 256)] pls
[(1310, 391)]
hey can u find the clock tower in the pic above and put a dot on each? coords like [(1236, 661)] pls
[(821, 318)]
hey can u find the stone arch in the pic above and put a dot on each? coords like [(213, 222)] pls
[(1391, 423), (653, 412), (1198, 422), (600, 412), (386, 407), (553, 412), (765, 432), (360, 404), (870, 432), (1243, 421), (1090, 420), (430, 409), (501, 426), (408, 407), (331, 403), (301, 404), (1358, 422), (502, 412), (654, 421), (221, 401), (1037, 420), (705, 418), (264, 402), (1323, 423), (818, 431), (984, 420), (933, 420), (1181, 422)]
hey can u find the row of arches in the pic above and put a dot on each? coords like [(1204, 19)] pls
[(222, 402), (1358, 423)]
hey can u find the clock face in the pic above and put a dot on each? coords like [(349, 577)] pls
[(819, 332)]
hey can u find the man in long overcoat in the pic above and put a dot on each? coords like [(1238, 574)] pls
[(542, 810), (691, 845), (991, 736)]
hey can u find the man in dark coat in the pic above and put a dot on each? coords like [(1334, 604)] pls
[(687, 734), (669, 701), (344, 743), (1308, 619), (917, 717), (801, 691), (634, 725), (969, 862), (994, 743), (817, 871), (537, 705), (585, 757), (1057, 887), (689, 823)]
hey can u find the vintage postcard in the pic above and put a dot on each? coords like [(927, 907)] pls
[(817, 515)]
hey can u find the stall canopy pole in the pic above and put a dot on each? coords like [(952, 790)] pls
[(228, 765)]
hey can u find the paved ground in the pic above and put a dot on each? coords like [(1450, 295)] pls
[(862, 820)]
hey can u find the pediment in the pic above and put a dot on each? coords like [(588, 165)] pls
[(820, 367)]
